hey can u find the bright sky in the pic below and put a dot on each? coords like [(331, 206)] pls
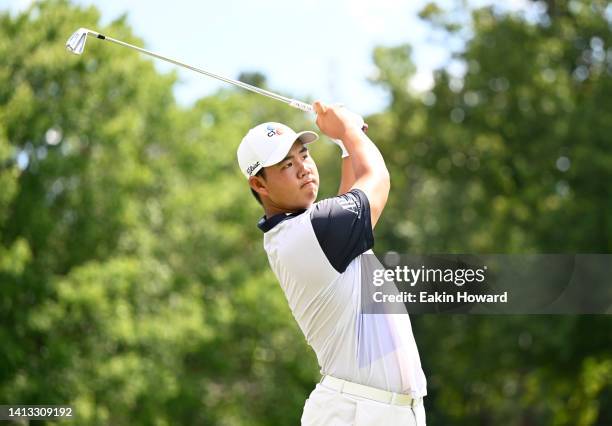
[(314, 48)]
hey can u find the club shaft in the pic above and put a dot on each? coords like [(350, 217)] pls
[(292, 102)]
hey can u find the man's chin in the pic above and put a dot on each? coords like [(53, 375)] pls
[(313, 194)]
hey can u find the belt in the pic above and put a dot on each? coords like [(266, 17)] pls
[(355, 389)]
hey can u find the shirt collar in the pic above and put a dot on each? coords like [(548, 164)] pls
[(265, 224)]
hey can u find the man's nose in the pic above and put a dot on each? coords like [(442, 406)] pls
[(299, 164), (303, 168)]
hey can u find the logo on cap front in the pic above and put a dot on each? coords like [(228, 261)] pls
[(273, 130)]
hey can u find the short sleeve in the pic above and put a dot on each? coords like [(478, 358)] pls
[(343, 227)]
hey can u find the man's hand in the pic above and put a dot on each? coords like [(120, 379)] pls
[(336, 121)]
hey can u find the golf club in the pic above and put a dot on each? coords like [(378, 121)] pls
[(76, 45)]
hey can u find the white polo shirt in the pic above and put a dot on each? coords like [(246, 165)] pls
[(316, 255)]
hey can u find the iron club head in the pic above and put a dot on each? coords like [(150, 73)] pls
[(76, 42)]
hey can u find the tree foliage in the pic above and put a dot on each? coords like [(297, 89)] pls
[(512, 156)]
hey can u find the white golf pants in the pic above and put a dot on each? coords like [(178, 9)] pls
[(328, 407)]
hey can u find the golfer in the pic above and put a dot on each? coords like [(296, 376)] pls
[(370, 366)]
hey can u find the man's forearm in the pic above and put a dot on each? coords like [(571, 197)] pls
[(371, 174), (348, 176), (365, 157)]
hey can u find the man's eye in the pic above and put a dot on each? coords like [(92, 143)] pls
[(287, 165), (305, 156)]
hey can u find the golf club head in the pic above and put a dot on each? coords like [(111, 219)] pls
[(76, 42)]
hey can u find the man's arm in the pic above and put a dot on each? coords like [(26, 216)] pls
[(369, 168), (348, 176)]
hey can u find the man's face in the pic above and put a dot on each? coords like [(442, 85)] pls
[(293, 183)]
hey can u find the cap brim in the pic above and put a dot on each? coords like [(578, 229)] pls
[(305, 137)]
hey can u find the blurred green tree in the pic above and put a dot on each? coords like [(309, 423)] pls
[(509, 155), (133, 285)]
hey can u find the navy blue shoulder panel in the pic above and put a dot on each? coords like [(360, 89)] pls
[(343, 227)]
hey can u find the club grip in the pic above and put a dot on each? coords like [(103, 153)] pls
[(301, 105), (308, 108)]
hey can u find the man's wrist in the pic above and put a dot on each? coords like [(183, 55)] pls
[(352, 133), (338, 142)]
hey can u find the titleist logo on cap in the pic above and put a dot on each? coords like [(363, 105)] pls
[(251, 168)]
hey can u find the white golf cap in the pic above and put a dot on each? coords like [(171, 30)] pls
[(267, 144)]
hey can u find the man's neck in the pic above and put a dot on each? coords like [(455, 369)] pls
[(270, 211)]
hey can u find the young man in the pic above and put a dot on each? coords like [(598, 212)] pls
[(370, 364)]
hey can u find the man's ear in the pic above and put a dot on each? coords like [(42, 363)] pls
[(258, 184)]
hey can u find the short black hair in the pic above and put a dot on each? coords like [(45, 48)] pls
[(261, 173)]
